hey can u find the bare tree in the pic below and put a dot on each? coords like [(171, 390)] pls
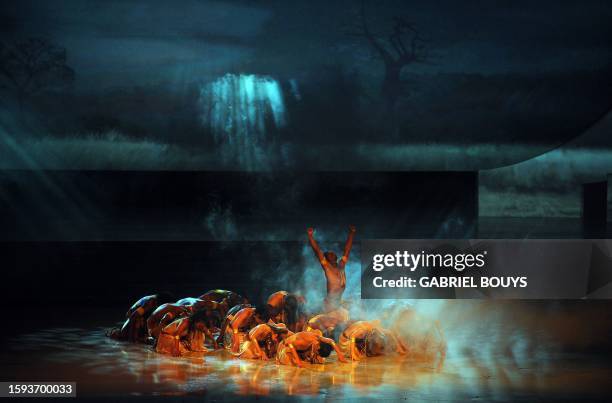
[(30, 66), (403, 46)]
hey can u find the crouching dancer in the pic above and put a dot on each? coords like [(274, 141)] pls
[(306, 346), (262, 341), (244, 320), (225, 330), (163, 316), (230, 297), (134, 328), (287, 308), (215, 311), (368, 339), (327, 322), (184, 335)]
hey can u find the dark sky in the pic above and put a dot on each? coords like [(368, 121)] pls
[(136, 42)]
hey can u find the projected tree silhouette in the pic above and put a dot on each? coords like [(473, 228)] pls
[(402, 47), (30, 66)]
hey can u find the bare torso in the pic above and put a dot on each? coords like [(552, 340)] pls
[(336, 280)]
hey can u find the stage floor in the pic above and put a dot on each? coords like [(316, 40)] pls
[(104, 368)]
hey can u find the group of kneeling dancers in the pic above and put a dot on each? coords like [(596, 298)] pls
[(282, 330)]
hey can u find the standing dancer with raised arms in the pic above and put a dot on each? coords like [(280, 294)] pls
[(334, 270)]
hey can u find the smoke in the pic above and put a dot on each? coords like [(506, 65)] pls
[(220, 222), (303, 275), (491, 341)]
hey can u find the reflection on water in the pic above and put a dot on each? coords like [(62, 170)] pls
[(105, 367)]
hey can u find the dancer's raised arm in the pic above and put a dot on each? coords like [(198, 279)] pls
[(315, 246), (348, 246)]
